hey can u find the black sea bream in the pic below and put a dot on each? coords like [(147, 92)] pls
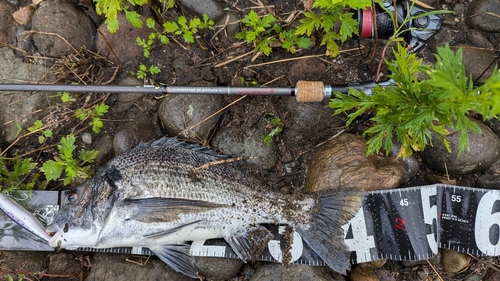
[(159, 196)]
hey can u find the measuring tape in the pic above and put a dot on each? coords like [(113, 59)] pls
[(401, 224)]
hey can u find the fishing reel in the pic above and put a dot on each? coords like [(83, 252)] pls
[(376, 22)]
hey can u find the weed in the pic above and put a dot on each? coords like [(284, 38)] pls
[(144, 70), (277, 128), (331, 12), (44, 133), (16, 174), (66, 163), (94, 114), (263, 32), (413, 110)]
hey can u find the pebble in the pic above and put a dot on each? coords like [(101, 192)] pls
[(6, 22), (484, 151), (276, 272), (477, 18), (24, 15), (188, 115), (342, 162), (477, 38), (59, 17), (454, 262), (87, 138), (105, 147), (410, 163), (217, 268)]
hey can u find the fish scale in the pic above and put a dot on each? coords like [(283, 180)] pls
[(160, 195)]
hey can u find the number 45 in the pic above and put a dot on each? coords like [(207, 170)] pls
[(404, 202), (456, 198)]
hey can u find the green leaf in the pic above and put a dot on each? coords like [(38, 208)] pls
[(133, 18), (304, 42), (52, 169), (101, 109), (171, 26), (348, 26), (150, 23), (188, 37), (88, 156), (67, 147)]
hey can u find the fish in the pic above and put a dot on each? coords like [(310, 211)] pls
[(162, 194), (22, 216)]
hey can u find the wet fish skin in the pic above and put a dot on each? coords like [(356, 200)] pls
[(154, 196)]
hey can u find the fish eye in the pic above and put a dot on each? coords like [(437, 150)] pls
[(71, 197)]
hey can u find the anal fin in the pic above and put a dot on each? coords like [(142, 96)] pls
[(177, 257), (249, 245)]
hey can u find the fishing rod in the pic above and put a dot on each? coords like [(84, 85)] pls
[(304, 91)]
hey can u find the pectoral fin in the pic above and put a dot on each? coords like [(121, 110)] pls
[(249, 245), (177, 257), (156, 209)]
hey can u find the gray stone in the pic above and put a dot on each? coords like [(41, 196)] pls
[(481, 15), (475, 62), (186, 115), (454, 262), (200, 7), (123, 43), (250, 146), (489, 181), (278, 272), (477, 38), (68, 21), (217, 268), (115, 267), (484, 151), (494, 125), (143, 129), (7, 24), (12, 111)]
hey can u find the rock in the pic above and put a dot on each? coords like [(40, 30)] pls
[(68, 21), (123, 43), (186, 115), (484, 151), (342, 163), (87, 138), (200, 7), (142, 130), (276, 272), (11, 110), (455, 262), (474, 277), (494, 125), (360, 273), (127, 97), (105, 147), (475, 62), (24, 15), (307, 69), (217, 268), (64, 264), (231, 23), (491, 275), (115, 267), (477, 38), (489, 181), (481, 15), (7, 24), (410, 163), (250, 146)]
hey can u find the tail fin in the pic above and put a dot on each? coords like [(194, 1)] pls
[(324, 233)]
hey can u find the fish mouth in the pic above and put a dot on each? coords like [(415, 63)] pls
[(54, 238)]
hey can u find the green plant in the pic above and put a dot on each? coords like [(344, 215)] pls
[(263, 32), (44, 133), (331, 12), (277, 128), (144, 70), (111, 9), (65, 162), (95, 114), (413, 110), (16, 174)]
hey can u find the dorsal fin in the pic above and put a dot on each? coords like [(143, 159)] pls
[(172, 141)]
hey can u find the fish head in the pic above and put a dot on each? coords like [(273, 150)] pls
[(80, 220)]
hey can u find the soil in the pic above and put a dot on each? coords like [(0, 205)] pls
[(359, 63)]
